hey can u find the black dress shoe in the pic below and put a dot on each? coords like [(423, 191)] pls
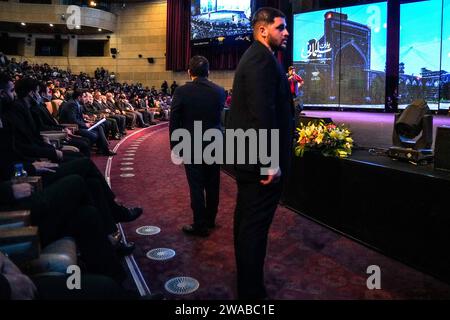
[(193, 231), (129, 214), (124, 249)]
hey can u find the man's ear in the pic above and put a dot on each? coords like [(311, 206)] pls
[(263, 31)]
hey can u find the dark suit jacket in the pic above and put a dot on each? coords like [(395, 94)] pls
[(70, 113), (199, 100), (26, 135), (89, 109), (262, 100), (99, 107), (9, 154), (43, 119)]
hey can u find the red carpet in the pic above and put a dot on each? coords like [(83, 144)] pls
[(304, 261)]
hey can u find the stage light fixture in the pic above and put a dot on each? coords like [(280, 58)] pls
[(413, 133)]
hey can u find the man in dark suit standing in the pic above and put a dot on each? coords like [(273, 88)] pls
[(199, 100), (261, 100)]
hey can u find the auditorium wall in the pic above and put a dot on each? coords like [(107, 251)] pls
[(141, 30)]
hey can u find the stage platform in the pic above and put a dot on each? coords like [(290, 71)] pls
[(371, 129), (396, 208)]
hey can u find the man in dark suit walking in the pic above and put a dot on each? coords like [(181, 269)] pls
[(199, 100), (261, 100)]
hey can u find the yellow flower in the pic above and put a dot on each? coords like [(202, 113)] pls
[(319, 138)]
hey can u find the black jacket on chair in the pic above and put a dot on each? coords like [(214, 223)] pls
[(262, 100)]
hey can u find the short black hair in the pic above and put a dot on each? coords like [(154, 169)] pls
[(199, 66), (4, 80), (25, 86), (266, 15), (77, 93)]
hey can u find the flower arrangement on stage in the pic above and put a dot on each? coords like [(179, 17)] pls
[(329, 139)]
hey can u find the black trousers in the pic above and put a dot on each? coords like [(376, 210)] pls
[(81, 143), (111, 127), (204, 181), (64, 209), (121, 122), (130, 119), (96, 136), (98, 191), (255, 208)]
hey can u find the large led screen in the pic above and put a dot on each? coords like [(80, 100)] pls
[(425, 53), (341, 56)]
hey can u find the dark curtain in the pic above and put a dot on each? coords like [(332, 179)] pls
[(178, 35), (221, 57)]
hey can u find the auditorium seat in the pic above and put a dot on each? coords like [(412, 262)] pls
[(54, 259), (20, 242)]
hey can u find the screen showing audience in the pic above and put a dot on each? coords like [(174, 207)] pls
[(220, 18)]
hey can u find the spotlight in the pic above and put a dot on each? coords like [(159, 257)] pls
[(413, 133), (23, 24), (51, 25), (99, 30)]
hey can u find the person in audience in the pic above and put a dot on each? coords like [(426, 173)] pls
[(140, 104), (17, 112), (110, 126), (100, 105), (116, 107), (71, 113), (126, 106), (64, 209), (164, 87), (173, 87), (45, 122), (199, 100), (3, 60), (15, 285)]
